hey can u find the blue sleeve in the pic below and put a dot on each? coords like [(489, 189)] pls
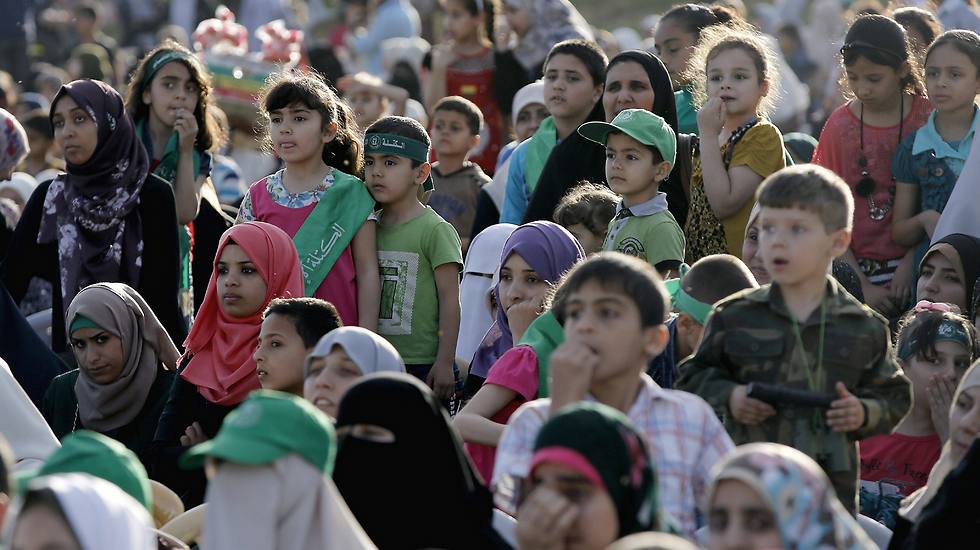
[(515, 196), (903, 168)]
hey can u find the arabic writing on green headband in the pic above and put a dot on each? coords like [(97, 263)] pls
[(160, 59), (399, 146), (948, 331), (684, 302)]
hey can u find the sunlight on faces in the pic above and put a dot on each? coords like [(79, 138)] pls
[(951, 361), (451, 134), (280, 354), (630, 169), (99, 353), (964, 422), (939, 282), (952, 80), (596, 523), (751, 256), (74, 131), (874, 84), (795, 245), (519, 282), (329, 378), (41, 528), (240, 288), (529, 119), (591, 243), (674, 47), (627, 87), (568, 88), (391, 179), (172, 89), (298, 133), (739, 518), (458, 23), (733, 77)]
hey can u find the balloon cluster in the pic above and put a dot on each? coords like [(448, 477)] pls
[(279, 43), (221, 34)]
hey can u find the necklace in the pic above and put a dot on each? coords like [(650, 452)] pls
[(866, 185)]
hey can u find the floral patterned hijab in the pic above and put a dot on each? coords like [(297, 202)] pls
[(91, 212)]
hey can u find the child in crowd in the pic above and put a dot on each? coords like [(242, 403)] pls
[(929, 161), (477, 306), (935, 348), (456, 125), (370, 98), (291, 327), (464, 66), (949, 271), (677, 34), (574, 74), (802, 332), (887, 105), (734, 73), (533, 260), (418, 253), (640, 152), (586, 212), (315, 198), (613, 308), (922, 28), (710, 280), (40, 135), (255, 263), (341, 358)]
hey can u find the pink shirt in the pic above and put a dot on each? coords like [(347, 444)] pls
[(902, 462)]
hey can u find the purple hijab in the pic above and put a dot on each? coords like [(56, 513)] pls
[(91, 211), (551, 251)]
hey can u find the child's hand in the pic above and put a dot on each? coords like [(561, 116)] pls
[(847, 413), (940, 390), (444, 55), (748, 410), (879, 299), (193, 435), (544, 520), (186, 128), (522, 314), (441, 380), (928, 219), (572, 365), (711, 117)]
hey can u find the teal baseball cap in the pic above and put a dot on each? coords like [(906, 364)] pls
[(267, 426), (639, 124)]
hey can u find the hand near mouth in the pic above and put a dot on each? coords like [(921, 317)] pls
[(711, 117), (522, 314), (572, 364)]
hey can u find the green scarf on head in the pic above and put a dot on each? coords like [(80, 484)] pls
[(330, 227), (544, 335), (538, 149)]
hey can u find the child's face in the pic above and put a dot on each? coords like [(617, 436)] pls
[(609, 323), (674, 47), (739, 517), (451, 134), (99, 354), (520, 283), (328, 379), (280, 355), (795, 245), (734, 78), (298, 134), (939, 282), (171, 91), (596, 523), (392, 179), (41, 527), (240, 287), (630, 169), (751, 256), (367, 106), (74, 131), (529, 119), (591, 242), (873, 84), (627, 87), (518, 18), (951, 361), (951, 78), (689, 331), (459, 24), (964, 422), (39, 143), (569, 92)]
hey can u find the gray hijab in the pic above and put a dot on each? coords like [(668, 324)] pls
[(370, 352)]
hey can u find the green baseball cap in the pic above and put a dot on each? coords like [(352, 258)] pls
[(92, 453), (266, 426), (639, 124)]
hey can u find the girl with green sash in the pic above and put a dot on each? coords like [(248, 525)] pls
[(315, 199)]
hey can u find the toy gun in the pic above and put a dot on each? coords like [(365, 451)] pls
[(783, 396)]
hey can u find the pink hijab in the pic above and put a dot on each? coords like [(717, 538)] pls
[(221, 346)]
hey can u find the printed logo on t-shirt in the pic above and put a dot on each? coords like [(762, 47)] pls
[(399, 273), (633, 247)]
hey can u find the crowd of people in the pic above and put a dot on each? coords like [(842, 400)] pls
[(477, 274)]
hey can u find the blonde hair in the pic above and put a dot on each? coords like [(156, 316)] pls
[(720, 38)]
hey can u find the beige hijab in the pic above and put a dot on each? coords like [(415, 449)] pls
[(121, 311), (917, 501)]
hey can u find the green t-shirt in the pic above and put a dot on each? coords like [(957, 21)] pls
[(408, 254), (687, 115), (655, 238)]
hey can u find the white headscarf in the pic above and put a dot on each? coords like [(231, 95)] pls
[(22, 183), (551, 22), (370, 352), (22, 424), (482, 263)]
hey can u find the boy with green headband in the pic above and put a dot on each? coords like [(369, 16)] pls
[(419, 254), (804, 333)]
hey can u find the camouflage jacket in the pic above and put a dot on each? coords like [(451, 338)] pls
[(749, 337)]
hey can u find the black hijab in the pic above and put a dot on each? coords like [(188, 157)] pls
[(419, 491), (577, 158), (967, 249)]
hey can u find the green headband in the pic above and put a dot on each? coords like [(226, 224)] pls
[(160, 59), (684, 302), (81, 322), (399, 146), (948, 331)]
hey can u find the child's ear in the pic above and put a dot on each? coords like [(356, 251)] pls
[(330, 132), (474, 141), (655, 340), (422, 173), (663, 170), (904, 70), (765, 88), (599, 90), (842, 241), (146, 94)]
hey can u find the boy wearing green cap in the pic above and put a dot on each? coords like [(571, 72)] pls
[(640, 151), (419, 254)]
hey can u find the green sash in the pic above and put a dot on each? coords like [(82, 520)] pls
[(544, 335), (538, 149), (330, 227)]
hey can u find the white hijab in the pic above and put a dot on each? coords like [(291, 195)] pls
[(22, 424), (482, 263), (370, 352)]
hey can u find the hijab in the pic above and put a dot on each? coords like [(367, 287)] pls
[(22, 425), (221, 346), (808, 514), (384, 482), (601, 443), (119, 310), (482, 263), (99, 514), (551, 251), (963, 251), (551, 22), (370, 352), (91, 212), (14, 146)]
